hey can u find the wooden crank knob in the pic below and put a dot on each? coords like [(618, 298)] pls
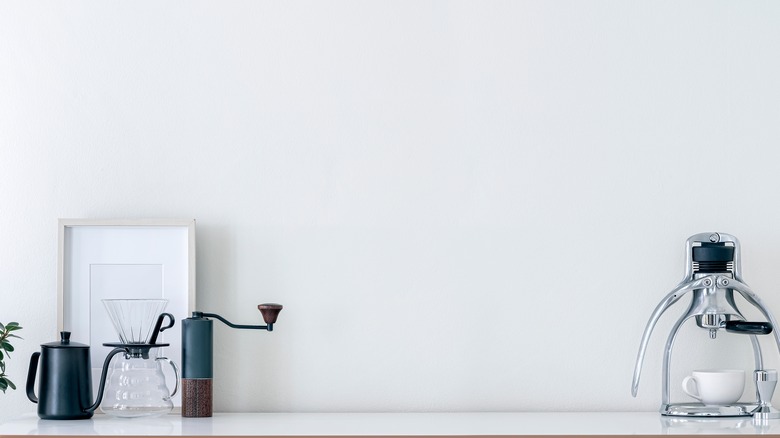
[(270, 312)]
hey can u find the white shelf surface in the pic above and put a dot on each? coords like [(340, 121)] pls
[(391, 424)]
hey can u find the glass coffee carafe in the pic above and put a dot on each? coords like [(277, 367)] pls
[(135, 386)]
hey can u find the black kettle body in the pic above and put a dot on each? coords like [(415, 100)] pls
[(65, 383)]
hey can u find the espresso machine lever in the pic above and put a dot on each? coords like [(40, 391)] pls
[(713, 273)]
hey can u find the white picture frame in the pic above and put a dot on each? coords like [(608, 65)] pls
[(128, 259)]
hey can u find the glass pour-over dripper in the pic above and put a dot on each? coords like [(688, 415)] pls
[(136, 385), (134, 319)]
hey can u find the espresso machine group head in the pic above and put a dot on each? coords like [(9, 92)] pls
[(712, 274)]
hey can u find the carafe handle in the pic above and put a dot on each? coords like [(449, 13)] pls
[(175, 376), (31, 376)]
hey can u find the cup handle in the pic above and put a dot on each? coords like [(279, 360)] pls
[(685, 385), (175, 376)]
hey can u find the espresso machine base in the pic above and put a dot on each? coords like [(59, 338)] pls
[(698, 410)]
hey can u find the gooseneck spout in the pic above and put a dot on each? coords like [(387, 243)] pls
[(102, 385)]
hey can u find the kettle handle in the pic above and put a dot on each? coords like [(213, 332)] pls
[(102, 385), (31, 376)]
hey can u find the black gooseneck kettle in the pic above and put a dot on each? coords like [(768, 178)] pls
[(65, 384)]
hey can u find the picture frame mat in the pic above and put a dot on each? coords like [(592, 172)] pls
[(124, 259)]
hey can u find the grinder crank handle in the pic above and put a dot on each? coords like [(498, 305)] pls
[(671, 298), (269, 311)]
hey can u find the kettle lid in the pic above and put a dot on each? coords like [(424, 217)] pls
[(64, 342)]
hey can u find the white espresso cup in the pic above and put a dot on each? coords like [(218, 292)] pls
[(715, 387)]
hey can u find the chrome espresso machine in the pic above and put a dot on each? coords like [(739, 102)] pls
[(712, 274)]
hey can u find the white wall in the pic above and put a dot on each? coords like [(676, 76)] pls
[(462, 205)]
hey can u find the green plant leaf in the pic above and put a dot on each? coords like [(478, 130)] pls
[(3, 383), (10, 383), (2, 367), (12, 324), (2, 327), (15, 336), (7, 347), (1, 355)]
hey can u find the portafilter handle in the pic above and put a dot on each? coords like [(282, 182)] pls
[(748, 327)]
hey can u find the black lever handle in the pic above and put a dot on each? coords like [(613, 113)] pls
[(749, 328)]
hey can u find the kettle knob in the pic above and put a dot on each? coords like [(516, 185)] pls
[(64, 337), (270, 312)]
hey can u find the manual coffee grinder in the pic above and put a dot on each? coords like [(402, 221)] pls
[(197, 340), (712, 274)]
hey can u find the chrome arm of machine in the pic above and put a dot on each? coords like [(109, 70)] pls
[(667, 302)]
